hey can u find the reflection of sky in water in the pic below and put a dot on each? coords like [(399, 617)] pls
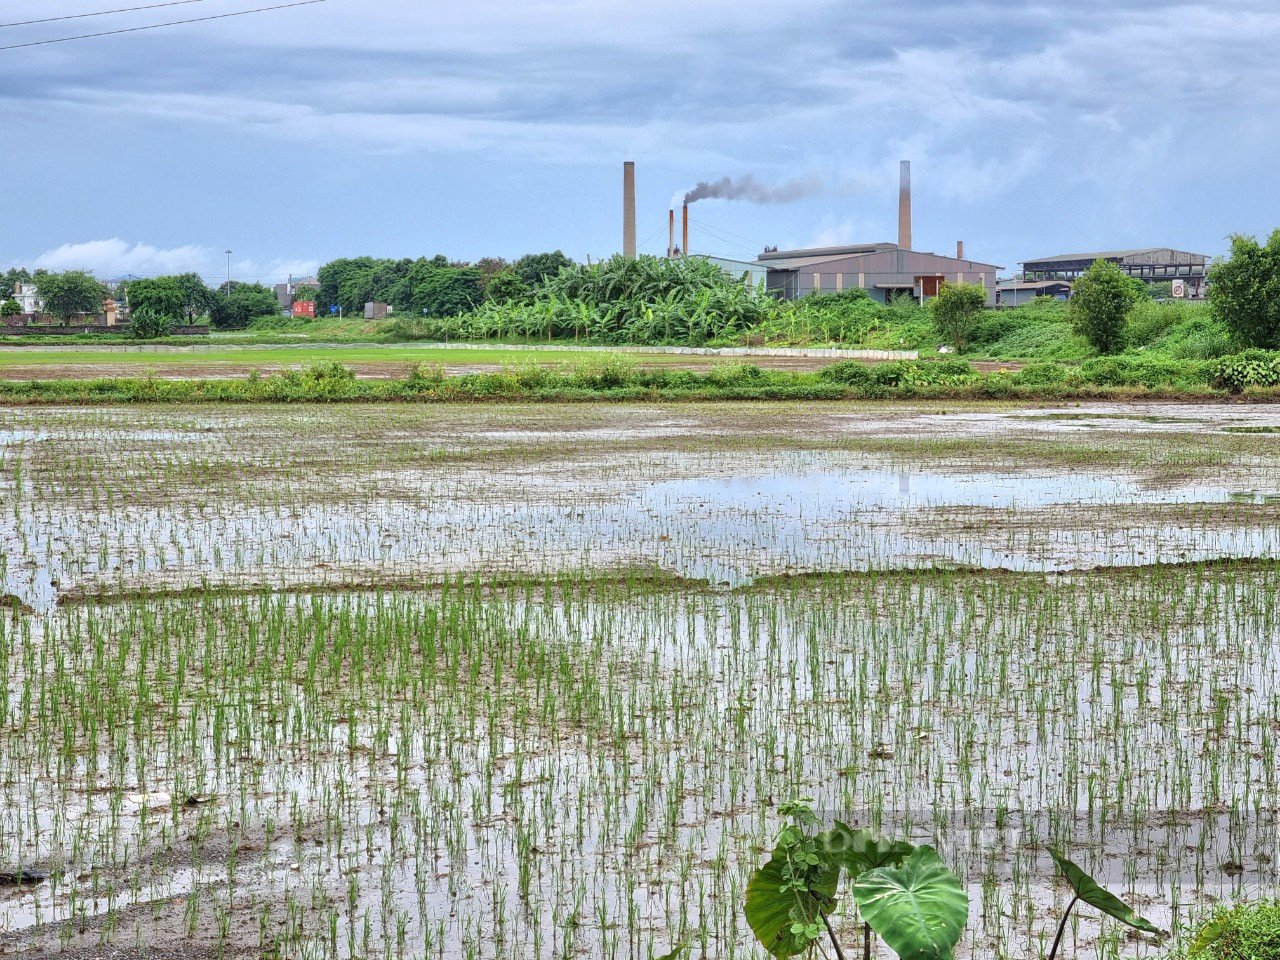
[(811, 517)]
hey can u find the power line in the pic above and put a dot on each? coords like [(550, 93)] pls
[(100, 13), (156, 26)]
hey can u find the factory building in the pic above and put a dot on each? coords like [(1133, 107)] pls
[(884, 270), (1016, 293), (1188, 272), (750, 272)]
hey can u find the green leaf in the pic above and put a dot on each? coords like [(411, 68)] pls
[(918, 908), (675, 954), (1088, 890), (1210, 934), (862, 850), (768, 909)]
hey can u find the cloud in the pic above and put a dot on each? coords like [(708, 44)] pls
[(117, 258)]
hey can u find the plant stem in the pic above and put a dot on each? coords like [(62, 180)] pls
[(866, 941), (832, 934), (1062, 927)]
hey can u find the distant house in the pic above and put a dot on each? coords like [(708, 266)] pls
[(28, 298), (884, 270), (1015, 293), (1152, 264)]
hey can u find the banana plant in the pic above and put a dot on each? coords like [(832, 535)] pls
[(1091, 892)]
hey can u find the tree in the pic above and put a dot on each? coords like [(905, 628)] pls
[(10, 308), (955, 312), (533, 268), (337, 272), (246, 302), (305, 293), (1244, 291), (508, 287), (161, 298), (66, 295), (1101, 303)]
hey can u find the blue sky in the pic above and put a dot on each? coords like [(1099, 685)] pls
[(403, 128)]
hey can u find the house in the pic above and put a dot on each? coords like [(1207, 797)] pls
[(285, 291), (884, 270), (28, 298)]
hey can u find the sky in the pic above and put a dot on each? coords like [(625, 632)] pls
[(400, 128)]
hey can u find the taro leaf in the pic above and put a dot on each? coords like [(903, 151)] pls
[(918, 908), (862, 850), (675, 954), (1088, 890), (768, 909)]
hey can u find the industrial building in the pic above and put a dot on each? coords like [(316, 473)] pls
[(1016, 293), (884, 270), (1188, 272)]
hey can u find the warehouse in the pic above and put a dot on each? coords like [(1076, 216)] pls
[(1188, 272), (1016, 293), (884, 270)]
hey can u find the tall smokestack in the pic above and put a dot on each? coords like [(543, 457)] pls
[(629, 209), (904, 207), (671, 233), (959, 249), (684, 249)]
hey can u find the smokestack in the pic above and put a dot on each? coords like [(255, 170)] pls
[(671, 233), (629, 209), (904, 207), (684, 250), (959, 249)]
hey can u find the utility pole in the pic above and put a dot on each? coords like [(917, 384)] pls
[(228, 273)]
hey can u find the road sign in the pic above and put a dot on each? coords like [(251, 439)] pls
[(1179, 289)]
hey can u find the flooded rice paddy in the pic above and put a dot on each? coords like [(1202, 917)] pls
[(529, 681)]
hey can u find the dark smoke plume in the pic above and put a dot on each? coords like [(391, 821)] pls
[(750, 189)]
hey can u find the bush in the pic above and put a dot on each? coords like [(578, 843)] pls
[(956, 309), (10, 308), (849, 372), (1101, 303), (1253, 368), (148, 323), (1247, 932), (1041, 375), (1132, 371), (1244, 291)]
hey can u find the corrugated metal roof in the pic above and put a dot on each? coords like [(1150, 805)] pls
[(828, 253), (1112, 255)]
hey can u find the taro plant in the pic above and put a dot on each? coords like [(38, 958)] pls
[(904, 894), (1089, 891)]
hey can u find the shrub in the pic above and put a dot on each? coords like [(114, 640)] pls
[(1139, 371), (10, 308), (1041, 375), (1244, 291), (148, 323), (1101, 303), (1247, 932), (849, 372), (1253, 368), (956, 309)]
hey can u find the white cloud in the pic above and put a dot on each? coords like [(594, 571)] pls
[(116, 257)]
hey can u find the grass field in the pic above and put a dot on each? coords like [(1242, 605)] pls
[(497, 681)]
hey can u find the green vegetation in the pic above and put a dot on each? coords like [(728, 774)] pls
[(956, 310), (1245, 291), (618, 378), (1100, 305), (1245, 932), (70, 294)]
